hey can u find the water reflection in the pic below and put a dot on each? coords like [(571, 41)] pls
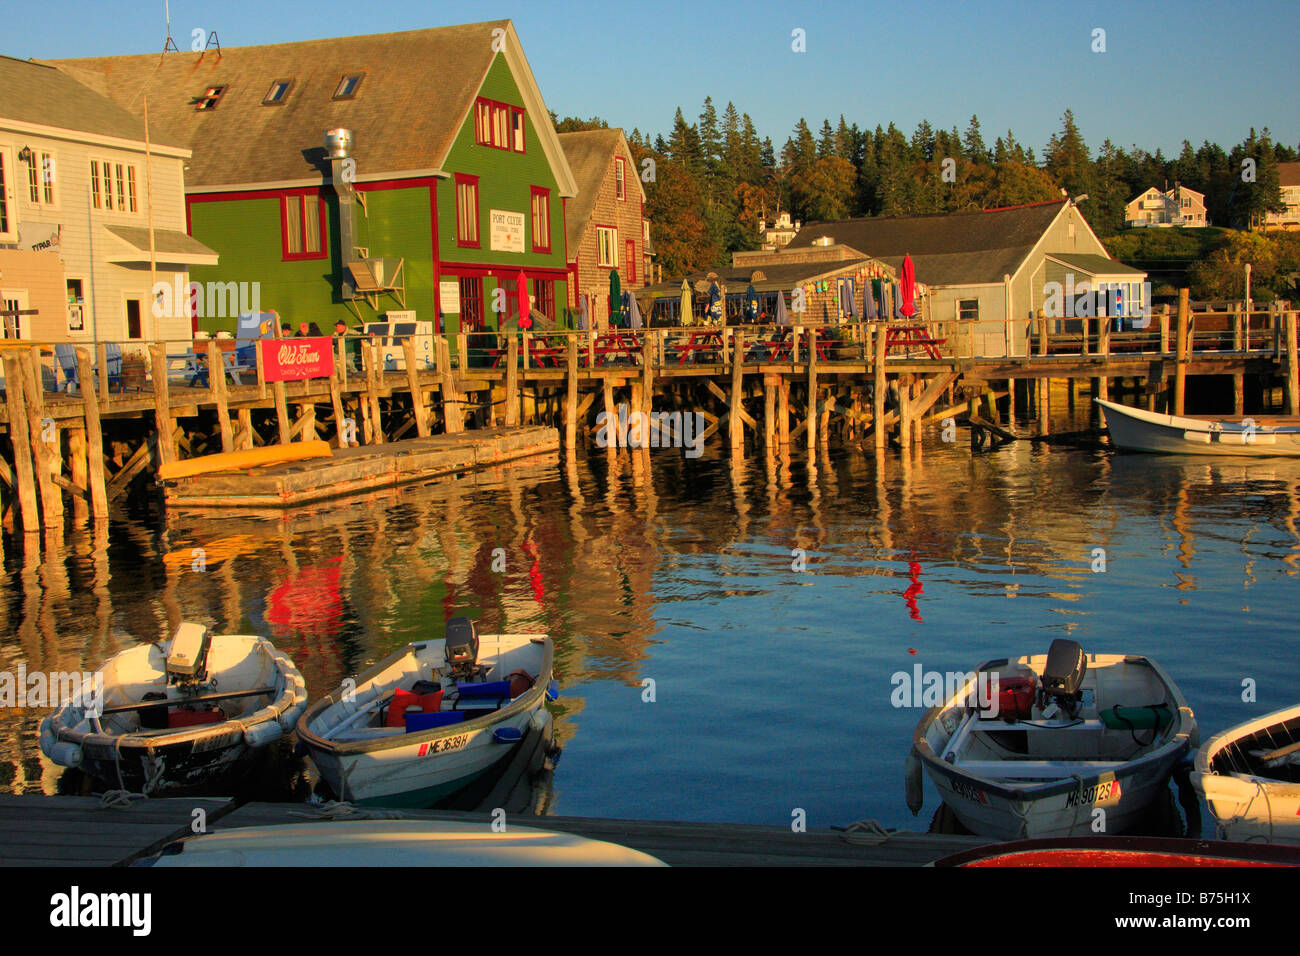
[(684, 571)]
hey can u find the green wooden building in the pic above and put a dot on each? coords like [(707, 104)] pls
[(442, 182)]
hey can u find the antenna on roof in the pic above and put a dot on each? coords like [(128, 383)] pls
[(169, 43)]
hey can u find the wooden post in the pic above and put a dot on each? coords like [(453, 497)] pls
[(736, 423), (281, 394), (1292, 366), (452, 416), (512, 381), (51, 497), (917, 390), (769, 417), (101, 354), (811, 423), (783, 414), (217, 389), (369, 358), (341, 372), (307, 418), (162, 412), (94, 438), (878, 398), (1044, 383), (794, 344), (524, 335), (336, 401), (1103, 332), (647, 397), (1164, 329), (904, 407), (611, 431), (462, 350), (19, 436), (417, 393), (571, 395), (79, 470), (1180, 367)]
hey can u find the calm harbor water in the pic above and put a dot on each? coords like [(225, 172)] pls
[(771, 685)]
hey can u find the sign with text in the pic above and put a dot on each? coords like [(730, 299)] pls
[(449, 297), (292, 360), (507, 231)]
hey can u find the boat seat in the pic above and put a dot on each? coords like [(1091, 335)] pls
[(994, 726), (1038, 769)]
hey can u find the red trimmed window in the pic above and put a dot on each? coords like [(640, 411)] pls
[(620, 179), (630, 259), (467, 211), (471, 304), (541, 219), (302, 227), (544, 297), (607, 247), (499, 125)]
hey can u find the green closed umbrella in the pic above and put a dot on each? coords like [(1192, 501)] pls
[(685, 318), (615, 299)]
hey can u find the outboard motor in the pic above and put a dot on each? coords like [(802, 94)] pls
[(461, 650), (1063, 675), (187, 661)]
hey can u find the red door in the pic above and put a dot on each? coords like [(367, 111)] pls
[(630, 258)]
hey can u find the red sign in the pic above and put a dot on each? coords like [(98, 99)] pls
[(285, 360)]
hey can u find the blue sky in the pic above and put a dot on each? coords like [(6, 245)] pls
[(1174, 70)]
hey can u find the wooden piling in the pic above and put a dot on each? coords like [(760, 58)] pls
[(512, 380), (78, 472), (101, 354), (1292, 365), (217, 389), (162, 410), (810, 424), (1180, 366), (20, 438), (246, 437), (736, 424), (51, 497), (878, 397), (370, 358), (571, 393), (94, 437), (417, 393), (281, 394), (336, 402), (452, 415), (611, 431), (1044, 383), (769, 417), (904, 407), (783, 414), (1103, 346)]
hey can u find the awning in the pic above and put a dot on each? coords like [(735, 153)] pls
[(1097, 266), (130, 244)]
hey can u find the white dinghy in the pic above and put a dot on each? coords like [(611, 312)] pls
[(180, 714), (394, 843), (430, 719), (1135, 429), (1249, 776), (1030, 748)]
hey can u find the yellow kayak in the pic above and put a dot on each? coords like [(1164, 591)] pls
[(251, 458)]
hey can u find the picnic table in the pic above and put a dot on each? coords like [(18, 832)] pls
[(697, 342), (781, 346), (541, 352), (908, 336), (616, 343)]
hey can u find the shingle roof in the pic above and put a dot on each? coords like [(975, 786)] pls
[(39, 94), (1094, 265), (784, 276), (954, 249), (1288, 174), (589, 153), (417, 89)]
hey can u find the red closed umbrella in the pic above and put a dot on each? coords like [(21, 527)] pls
[(907, 287), (525, 319)]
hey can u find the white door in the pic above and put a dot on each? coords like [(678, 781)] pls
[(15, 326), (8, 197)]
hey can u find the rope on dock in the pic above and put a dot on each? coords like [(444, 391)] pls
[(342, 810), (864, 832)]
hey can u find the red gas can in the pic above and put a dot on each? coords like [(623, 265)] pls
[(1015, 698)]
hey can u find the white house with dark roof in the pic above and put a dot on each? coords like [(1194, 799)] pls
[(1288, 175), (75, 193), (1179, 206), (992, 270)]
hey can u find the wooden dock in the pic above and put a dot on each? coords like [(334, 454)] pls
[(360, 468), (76, 831)]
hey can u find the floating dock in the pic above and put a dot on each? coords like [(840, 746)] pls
[(75, 831), (360, 468)]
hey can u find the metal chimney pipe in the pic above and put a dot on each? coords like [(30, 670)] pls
[(338, 147)]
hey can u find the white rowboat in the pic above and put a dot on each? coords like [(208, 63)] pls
[(1046, 773), (1133, 429), (1249, 776), (395, 843), (236, 695), (367, 762)]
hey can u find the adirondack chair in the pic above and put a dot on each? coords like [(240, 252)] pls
[(65, 362)]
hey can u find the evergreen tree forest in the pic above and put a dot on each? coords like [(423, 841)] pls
[(715, 177)]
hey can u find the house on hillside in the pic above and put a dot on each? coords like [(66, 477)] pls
[(75, 191), (776, 233), (443, 181), (992, 270), (605, 225), (1288, 175), (1179, 206)]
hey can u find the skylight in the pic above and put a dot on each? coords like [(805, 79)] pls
[(347, 87), (277, 93), (209, 99)]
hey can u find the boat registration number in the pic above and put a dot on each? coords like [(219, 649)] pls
[(1107, 790), (445, 745), (963, 789)]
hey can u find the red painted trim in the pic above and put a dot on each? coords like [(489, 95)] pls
[(619, 164), (321, 216), (564, 224), (468, 180), (533, 193), (629, 251), (502, 271), (254, 194), (573, 276), (511, 111), (436, 256), (1028, 205)]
